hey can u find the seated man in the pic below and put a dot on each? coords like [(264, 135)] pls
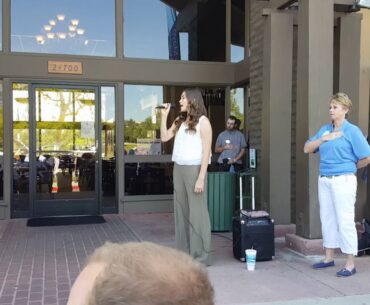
[(138, 273), (231, 145)]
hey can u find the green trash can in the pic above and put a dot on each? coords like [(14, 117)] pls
[(221, 199)]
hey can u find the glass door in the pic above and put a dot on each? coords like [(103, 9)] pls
[(64, 154)]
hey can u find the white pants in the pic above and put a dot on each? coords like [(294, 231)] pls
[(337, 197)]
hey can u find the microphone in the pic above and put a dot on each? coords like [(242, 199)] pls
[(163, 107)]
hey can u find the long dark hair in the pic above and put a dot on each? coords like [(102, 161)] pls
[(195, 110)]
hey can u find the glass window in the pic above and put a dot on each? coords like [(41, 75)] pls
[(142, 120), (184, 51), (148, 166), (237, 105), (142, 139), (1, 142), (145, 26), (180, 30), (108, 137), (20, 147), (148, 179), (237, 30), (77, 27)]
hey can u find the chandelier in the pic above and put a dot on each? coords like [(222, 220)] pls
[(60, 28)]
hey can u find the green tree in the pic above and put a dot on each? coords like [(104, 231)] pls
[(234, 107)]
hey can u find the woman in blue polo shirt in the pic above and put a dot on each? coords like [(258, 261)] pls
[(343, 148)]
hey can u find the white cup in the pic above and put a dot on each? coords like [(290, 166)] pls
[(250, 258)]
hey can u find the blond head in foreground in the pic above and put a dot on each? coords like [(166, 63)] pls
[(141, 273)]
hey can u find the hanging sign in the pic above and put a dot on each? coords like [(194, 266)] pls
[(87, 130), (64, 67)]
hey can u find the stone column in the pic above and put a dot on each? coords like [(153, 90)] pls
[(276, 114), (354, 80), (355, 65), (314, 88)]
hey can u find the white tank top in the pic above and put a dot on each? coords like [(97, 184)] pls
[(188, 149)]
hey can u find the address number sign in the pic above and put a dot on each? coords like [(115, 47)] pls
[(65, 67)]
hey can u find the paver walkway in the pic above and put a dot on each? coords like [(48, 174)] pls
[(38, 265)]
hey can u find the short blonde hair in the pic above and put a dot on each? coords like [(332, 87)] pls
[(341, 99), (138, 273)]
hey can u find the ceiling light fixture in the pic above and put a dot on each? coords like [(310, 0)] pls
[(40, 39), (51, 30), (62, 35), (75, 22), (61, 17), (80, 31)]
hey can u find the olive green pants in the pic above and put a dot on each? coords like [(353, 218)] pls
[(192, 224)]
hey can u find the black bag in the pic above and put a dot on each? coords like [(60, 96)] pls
[(252, 229), (364, 240)]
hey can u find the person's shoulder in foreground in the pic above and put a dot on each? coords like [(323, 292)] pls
[(139, 273)]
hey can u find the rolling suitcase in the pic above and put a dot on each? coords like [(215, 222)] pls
[(252, 229)]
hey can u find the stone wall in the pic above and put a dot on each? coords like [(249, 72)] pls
[(254, 112)]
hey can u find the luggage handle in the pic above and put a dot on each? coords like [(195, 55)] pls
[(241, 193)]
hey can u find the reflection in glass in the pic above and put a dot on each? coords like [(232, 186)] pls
[(20, 147), (146, 32), (237, 53), (142, 120), (148, 178), (142, 137), (1, 140), (65, 143), (184, 50), (65, 28), (108, 136), (155, 30), (237, 104), (237, 30)]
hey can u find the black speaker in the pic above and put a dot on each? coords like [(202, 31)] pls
[(253, 233)]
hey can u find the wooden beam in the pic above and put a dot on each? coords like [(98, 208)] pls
[(294, 13), (280, 4), (344, 2), (268, 11)]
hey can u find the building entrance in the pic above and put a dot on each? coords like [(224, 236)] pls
[(56, 150)]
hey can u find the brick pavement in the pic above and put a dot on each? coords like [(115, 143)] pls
[(38, 265)]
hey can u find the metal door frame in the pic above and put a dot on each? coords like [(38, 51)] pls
[(96, 209)]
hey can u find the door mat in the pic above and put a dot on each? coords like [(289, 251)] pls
[(64, 221)]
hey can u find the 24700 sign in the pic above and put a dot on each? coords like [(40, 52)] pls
[(65, 67)]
